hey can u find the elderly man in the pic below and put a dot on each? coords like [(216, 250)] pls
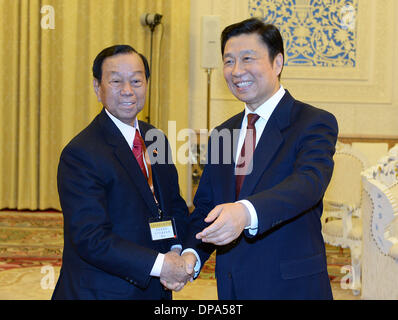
[(122, 209)]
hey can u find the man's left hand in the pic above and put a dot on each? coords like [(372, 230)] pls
[(229, 220)]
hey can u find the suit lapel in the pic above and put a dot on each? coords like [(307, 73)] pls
[(125, 156), (269, 143), (156, 169)]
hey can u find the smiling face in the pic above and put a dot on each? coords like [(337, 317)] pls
[(248, 71), (123, 86)]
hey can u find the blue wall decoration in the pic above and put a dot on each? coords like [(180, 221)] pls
[(319, 33)]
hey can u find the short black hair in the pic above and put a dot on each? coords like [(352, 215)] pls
[(268, 33), (112, 51)]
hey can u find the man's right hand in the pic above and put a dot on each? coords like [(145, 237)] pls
[(175, 272)]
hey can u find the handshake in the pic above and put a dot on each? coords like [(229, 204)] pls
[(177, 270), (227, 220)]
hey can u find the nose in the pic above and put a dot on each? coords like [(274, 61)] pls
[(237, 69), (127, 89)]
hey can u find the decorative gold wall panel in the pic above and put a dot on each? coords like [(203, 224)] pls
[(316, 32)]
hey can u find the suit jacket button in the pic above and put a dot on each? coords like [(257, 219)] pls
[(230, 275)]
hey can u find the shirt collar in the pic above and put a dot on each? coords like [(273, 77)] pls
[(127, 131), (266, 109)]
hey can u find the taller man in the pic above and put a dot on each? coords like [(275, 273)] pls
[(264, 210)]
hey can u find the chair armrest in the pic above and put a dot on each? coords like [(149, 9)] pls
[(343, 211), (347, 222), (337, 209)]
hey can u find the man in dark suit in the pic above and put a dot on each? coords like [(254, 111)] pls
[(264, 214), (110, 195)]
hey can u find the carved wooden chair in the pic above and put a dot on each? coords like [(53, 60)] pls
[(341, 218), (380, 237)]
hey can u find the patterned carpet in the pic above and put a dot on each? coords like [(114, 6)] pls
[(31, 242), (336, 259), (30, 239)]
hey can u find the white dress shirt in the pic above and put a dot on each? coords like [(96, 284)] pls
[(264, 111)]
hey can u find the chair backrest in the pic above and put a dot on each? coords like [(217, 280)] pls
[(386, 169), (391, 233), (381, 183), (346, 185), (384, 215)]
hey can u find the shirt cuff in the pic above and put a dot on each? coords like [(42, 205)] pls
[(253, 227), (176, 246), (198, 264), (157, 266)]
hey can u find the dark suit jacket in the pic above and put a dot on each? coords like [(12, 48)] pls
[(106, 203), (292, 166)]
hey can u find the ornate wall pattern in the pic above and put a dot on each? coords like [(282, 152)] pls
[(319, 33)]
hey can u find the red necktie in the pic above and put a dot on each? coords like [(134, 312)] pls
[(138, 150), (140, 154), (246, 153)]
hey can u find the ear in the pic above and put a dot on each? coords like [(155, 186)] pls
[(278, 63), (97, 89)]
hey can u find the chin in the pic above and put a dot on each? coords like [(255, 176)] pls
[(243, 98)]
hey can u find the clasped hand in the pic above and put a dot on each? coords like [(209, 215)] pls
[(177, 270), (228, 221)]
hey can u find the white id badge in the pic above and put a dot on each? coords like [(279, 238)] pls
[(162, 229)]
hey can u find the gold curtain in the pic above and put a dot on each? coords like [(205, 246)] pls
[(46, 81)]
